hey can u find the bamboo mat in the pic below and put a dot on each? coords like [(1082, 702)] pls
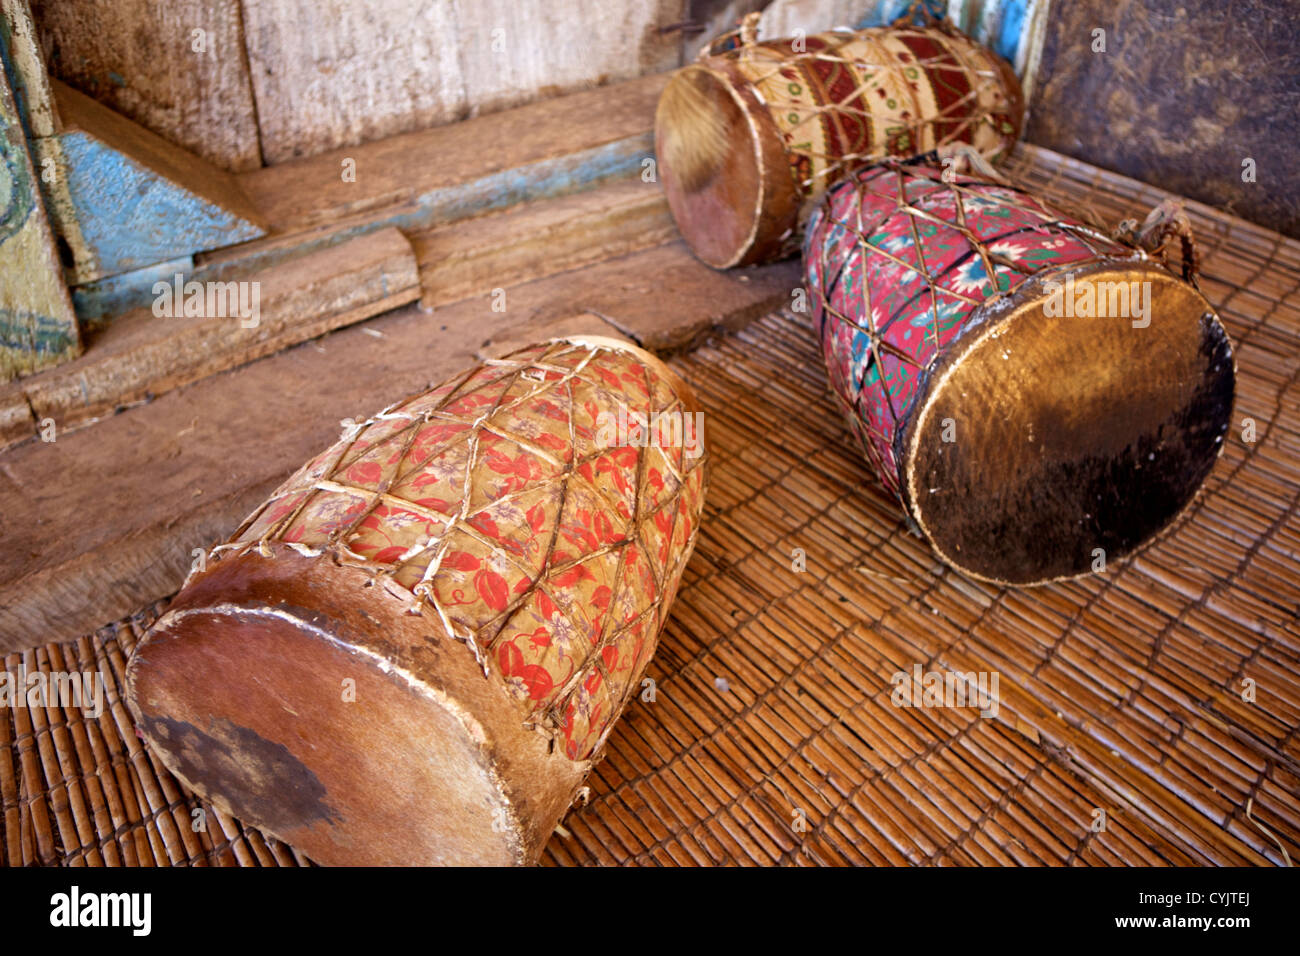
[(772, 738)]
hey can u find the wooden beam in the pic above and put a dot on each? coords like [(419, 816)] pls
[(145, 354), (127, 198), (420, 181), (183, 470), (549, 148), (540, 239), (38, 327), (138, 354)]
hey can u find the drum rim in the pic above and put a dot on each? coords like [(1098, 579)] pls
[(685, 394), (486, 725), (763, 133), (995, 314)]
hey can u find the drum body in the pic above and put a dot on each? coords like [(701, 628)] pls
[(1041, 398), (748, 138), (414, 650)]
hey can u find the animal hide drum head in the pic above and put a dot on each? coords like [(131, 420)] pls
[(1045, 442)]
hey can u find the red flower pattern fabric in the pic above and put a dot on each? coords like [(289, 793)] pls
[(509, 512)]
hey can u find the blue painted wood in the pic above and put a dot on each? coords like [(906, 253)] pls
[(131, 217), (548, 179), (1011, 25), (100, 300)]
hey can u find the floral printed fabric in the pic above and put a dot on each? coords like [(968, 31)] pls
[(503, 505), (898, 263)]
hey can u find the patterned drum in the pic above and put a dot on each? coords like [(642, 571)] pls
[(415, 649), (749, 137), (1040, 397)]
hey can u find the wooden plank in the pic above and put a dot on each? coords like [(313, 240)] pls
[(183, 470), (540, 239), (515, 50), (544, 149), (135, 199), (392, 66), (27, 69), (131, 359), (138, 57), (37, 325), (330, 73), (417, 181), (147, 354)]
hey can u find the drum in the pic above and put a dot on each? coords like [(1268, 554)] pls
[(749, 137), (413, 652), (1041, 397)]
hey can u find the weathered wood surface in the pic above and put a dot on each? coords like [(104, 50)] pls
[(468, 257), (543, 149), (138, 354), (331, 73), (417, 181), (183, 470), (540, 239), (37, 325), (145, 354), (139, 58), (26, 68), (278, 79), (133, 198)]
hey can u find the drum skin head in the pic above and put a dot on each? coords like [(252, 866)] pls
[(1043, 444), (286, 692), (734, 197)]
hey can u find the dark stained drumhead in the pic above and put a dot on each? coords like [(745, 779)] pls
[(390, 769), (1042, 442), (724, 170)]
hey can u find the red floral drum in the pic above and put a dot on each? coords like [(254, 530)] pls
[(414, 650), (1040, 397), (749, 137)]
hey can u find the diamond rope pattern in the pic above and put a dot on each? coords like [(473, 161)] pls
[(845, 97), (901, 259), (513, 509)]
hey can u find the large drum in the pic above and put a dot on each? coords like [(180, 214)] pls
[(749, 137), (415, 649), (1040, 397)]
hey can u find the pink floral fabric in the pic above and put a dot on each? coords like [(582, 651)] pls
[(899, 264)]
